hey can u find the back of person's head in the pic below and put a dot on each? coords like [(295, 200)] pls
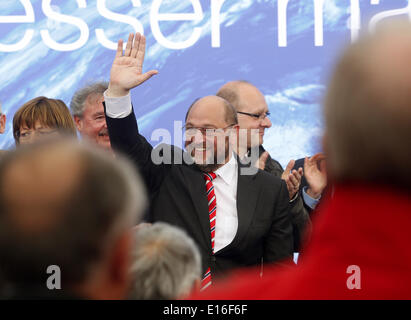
[(166, 263), (69, 205), (368, 110), (44, 112), (230, 91)]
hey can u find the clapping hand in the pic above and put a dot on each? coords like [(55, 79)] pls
[(315, 173), (292, 178)]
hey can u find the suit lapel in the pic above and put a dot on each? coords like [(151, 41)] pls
[(196, 187)]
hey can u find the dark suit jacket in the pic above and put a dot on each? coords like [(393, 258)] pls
[(178, 197), (299, 212)]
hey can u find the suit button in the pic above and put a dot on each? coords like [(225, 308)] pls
[(213, 259)]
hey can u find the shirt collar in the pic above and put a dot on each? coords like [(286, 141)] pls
[(228, 171)]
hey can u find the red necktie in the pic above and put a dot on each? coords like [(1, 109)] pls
[(212, 210)]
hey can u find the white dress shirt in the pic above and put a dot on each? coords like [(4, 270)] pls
[(225, 189), (225, 184), (119, 107)]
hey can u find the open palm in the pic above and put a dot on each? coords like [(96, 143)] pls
[(127, 69)]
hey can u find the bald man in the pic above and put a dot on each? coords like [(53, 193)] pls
[(66, 213), (360, 247), (253, 117), (236, 220)]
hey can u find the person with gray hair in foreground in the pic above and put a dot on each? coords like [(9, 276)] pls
[(166, 263), (66, 215)]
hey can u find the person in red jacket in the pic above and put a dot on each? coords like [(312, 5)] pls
[(361, 233)]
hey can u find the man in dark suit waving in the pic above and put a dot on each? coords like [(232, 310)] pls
[(237, 219)]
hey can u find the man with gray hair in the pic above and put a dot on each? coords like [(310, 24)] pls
[(88, 113), (166, 263), (66, 213)]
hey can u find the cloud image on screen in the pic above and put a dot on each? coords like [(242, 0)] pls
[(234, 40)]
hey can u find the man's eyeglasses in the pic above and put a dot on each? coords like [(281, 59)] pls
[(191, 131), (261, 116)]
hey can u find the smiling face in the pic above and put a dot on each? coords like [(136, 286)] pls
[(208, 151), (251, 100), (92, 124)]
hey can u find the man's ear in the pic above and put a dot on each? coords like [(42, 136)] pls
[(79, 123)]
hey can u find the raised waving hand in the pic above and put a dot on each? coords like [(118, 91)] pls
[(127, 69)]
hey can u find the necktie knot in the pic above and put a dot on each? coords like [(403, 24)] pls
[(209, 176)]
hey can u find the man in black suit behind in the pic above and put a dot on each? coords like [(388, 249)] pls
[(252, 221), (304, 189)]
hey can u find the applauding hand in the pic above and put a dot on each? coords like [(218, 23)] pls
[(292, 178), (315, 173)]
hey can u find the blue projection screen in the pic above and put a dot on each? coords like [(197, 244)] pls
[(287, 48)]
